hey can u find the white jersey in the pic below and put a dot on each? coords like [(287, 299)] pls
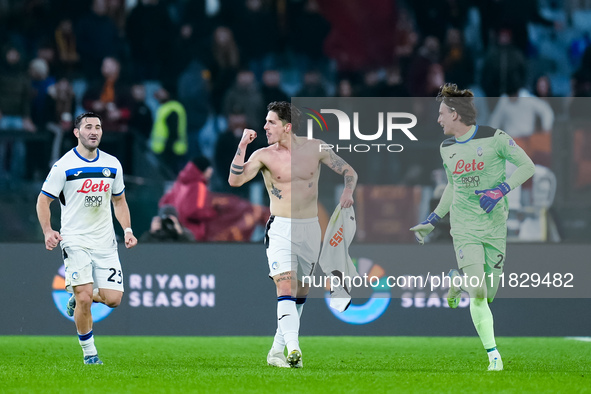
[(84, 188)]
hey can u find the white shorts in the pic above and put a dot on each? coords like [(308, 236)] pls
[(292, 245), (102, 268)]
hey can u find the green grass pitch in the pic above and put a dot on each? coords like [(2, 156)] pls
[(331, 365)]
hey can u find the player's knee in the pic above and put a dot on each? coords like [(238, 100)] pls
[(113, 303), (478, 293), (83, 300)]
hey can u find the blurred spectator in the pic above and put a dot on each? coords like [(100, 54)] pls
[(372, 84), (140, 120), (458, 63), (257, 34), (38, 155), (517, 115), (65, 40), (212, 216), (15, 110), (225, 150), (40, 83), (110, 97), (165, 227), (434, 17), (581, 87), (223, 65), (193, 93), (46, 51), (406, 39), (577, 48), (307, 31), (149, 33), (15, 93), (345, 88), (169, 133), (393, 85), (246, 94), (34, 23), (190, 196), (116, 10), (312, 86), (504, 67), (513, 16), (543, 90), (61, 104), (424, 63), (199, 19), (361, 33), (97, 37), (60, 109), (271, 88)]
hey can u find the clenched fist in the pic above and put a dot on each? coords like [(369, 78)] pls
[(248, 136)]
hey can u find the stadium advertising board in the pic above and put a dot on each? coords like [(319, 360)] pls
[(223, 289)]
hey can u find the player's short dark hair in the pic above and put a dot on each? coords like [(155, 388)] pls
[(461, 101), (287, 113), (85, 115)]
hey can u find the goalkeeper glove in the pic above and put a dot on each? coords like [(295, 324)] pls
[(424, 228), (490, 197)]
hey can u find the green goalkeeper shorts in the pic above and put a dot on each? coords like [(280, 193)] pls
[(481, 247)]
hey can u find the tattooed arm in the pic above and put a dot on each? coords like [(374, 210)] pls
[(241, 172), (340, 166)]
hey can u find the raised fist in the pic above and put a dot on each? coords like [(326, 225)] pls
[(248, 136)]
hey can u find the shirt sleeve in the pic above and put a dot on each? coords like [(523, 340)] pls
[(510, 151), (448, 195), (55, 181), (118, 184)]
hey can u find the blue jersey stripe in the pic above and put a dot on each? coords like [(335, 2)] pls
[(118, 194), (84, 170), (89, 172), (48, 195), (85, 159), (468, 140)]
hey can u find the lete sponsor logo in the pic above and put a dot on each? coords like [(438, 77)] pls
[(90, 186), (463, 167)]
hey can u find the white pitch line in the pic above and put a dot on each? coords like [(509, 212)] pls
[(582, 339)]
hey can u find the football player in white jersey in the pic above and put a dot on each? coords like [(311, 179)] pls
[(86, 180)]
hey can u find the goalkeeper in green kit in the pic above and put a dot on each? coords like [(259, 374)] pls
[(475, 159)]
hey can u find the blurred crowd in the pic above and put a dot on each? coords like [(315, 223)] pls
[(183, 78)]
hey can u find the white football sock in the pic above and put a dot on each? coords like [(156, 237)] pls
[(87, 343), (288, 321)]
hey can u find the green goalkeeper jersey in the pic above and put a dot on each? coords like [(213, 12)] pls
[(477, 161)]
